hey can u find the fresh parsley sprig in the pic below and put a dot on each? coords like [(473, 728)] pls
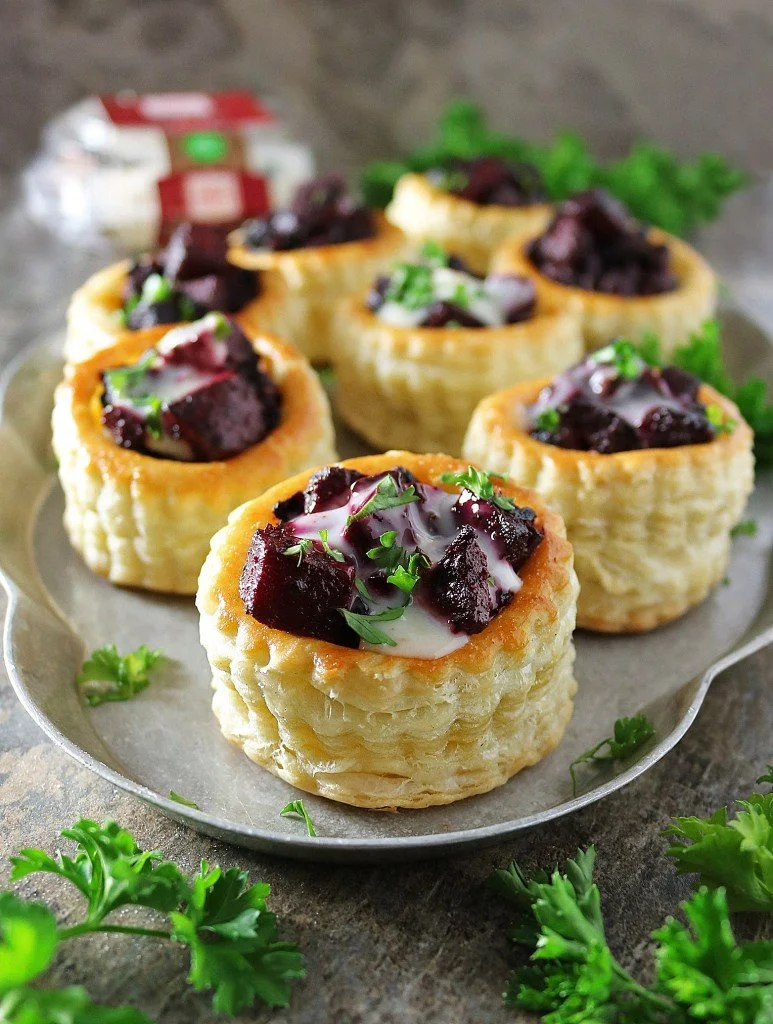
[(654, 185), (109, 676), (405, 577), (363, 624), (296, 808), (387, 495), (702, 972), (337, 556), (481, 484), (548, 420), (303, 547), (233, 938), (623, 355), (745, 528), (628, 735), (702, 356)]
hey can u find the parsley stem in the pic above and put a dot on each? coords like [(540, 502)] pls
[(632, 985), (86, 928)]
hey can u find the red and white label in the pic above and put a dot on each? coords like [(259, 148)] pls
[(174, 112)]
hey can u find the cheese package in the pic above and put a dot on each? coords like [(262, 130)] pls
[(125, 169)]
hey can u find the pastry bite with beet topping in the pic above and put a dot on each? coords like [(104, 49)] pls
[(393, 631), (649, 468), (621, 277), (188, 278), (322, 247), (429, 339), (161, 436), (471, 206)]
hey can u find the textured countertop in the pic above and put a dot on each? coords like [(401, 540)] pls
[(425, 942)]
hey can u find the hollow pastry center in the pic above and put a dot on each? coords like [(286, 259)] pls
[(613, 402), (185, 280), (388, 563), (198, 396), (438, 290), (321, 213), (593, 243), (490, 181)]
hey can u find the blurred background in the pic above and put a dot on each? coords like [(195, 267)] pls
[(360, 79)]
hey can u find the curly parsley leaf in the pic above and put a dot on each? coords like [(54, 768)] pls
[(481, 484), (628, 735), (178, 799), (337, 556), (303, 547), (655, 186), (109, 676), (767, 777), (387, 495), (109, 869), (70, 1005), (736, 853), (297, 808), (28, 940), (704, 969), (234, 944), (623, 356), (746, 528), (363, 624), (548, 420)]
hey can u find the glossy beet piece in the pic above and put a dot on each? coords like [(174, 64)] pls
[(328, 488), (517, 295), (125, 427), (490, 181), (321, 213), (669, 428), (586, 427), (205, 352), (444, 314), (224, 417), (515, 534), (680, 382), (299, 598), (594, 243), (456, 588)]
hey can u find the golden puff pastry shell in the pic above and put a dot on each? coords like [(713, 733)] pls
[(147, 522), (473, 231), (92, 317), (416, 387), (650, 528), (672, 316), (384, 731), (315, 278)]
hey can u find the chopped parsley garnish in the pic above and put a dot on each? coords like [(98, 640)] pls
[(110, 676), (481, 484), (460, 296), (296, 809), (182, 800), (220, 325), (124, 379), (388, 495), (303, 547), (746, 528), (629, 734), (405, 577), (624, 356), (363, 624), (722, 424), (403, 569), (548, 420), (387, 555), (362, 590), (411, 285), (156, 288), (232, 938), (337, 556), (434, 254), (153, 408)]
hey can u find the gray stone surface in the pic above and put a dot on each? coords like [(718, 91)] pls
[(423, 943)]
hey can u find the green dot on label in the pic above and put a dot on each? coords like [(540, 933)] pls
[(205, 147)]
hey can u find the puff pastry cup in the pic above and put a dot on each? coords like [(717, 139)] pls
[(386, 731), (425, 211), (147, 522), (416, 387), (650, 528), (672, 315), (93, 325), (314, 278)]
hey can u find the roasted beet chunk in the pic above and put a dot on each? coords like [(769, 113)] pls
[(515, 534), (448, 314), (299, 595), (593, 243), (680, 382), (125, 426), (490, 181), (329, 488), (587, 427), (669, 428), (224, 417), (289, 508), (456, 588)]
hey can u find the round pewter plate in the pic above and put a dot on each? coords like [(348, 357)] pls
[(167, 738)]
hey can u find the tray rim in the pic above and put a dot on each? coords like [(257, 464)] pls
[(322, 848)]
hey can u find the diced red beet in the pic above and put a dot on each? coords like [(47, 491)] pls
[(680, 382), (514, 534), (443, 313), (669, 428), (456, 588), (491, 181), (126, 427), (304, 598), (329, 488)]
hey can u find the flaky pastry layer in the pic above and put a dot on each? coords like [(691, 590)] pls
[(425, 211), (383, 731), (315, 279), (147, 522), (416, 387), (650, 528), (673, 316), (92, 317)]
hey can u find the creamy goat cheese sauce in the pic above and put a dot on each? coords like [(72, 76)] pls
[(481, 299)]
